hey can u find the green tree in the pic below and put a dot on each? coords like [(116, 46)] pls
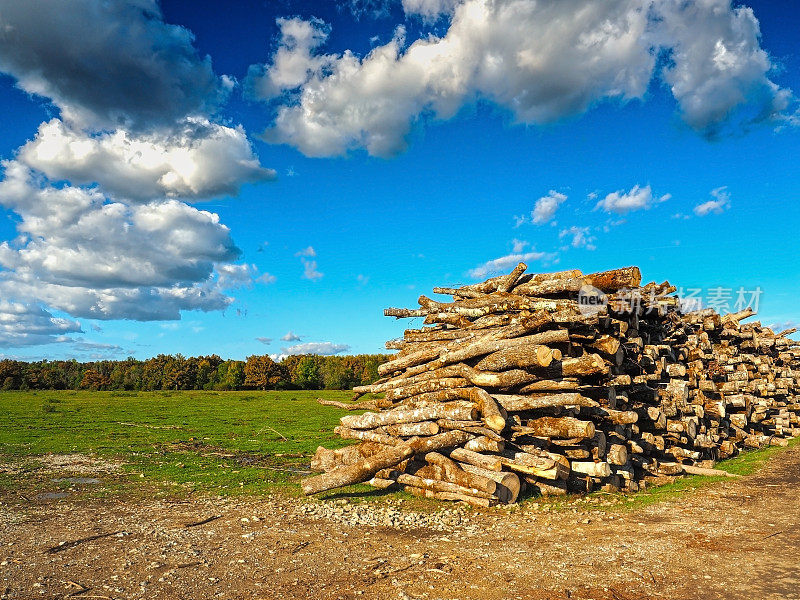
[(307, 374)]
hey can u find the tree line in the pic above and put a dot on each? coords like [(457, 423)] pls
[(176, 372)]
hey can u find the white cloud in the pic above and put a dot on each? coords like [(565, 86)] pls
[(720, 203), (199, 161), (518, 246), (580, 237), (264, 340), (717, 64), (107, 64), (87, 346), (638, 198), (546, 207), (506, 263), (24, 324), (321, 348), (309, 266), (429, 10), (72, 236), (81, 254), (231, 275), (293, 62), (783, 325), (306, 252), (102, 232), (362, 279), (542, 61), (511, 53), (266, 278), (291, 336), (310, 270)]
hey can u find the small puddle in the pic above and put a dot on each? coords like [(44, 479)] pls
[(80, 480), (52, 495)]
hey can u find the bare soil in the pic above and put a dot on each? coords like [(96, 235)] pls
[(734, 539)]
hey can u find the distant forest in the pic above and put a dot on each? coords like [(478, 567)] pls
[(168, 372)]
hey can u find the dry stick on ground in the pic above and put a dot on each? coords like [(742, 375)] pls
[(366, 405), (283, 437), (67, 545), (204, 521)]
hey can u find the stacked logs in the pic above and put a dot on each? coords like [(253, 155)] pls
[(563, 382)]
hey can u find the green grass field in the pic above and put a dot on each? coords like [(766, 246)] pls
[(217, 442), (182, 443)]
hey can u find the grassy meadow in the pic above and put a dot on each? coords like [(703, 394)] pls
[(179, 442)]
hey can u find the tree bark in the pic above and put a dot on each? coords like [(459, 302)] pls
[(490, 463), (593, 469), (484, 444), (367, 435), (518, 357), (493, 416), (370, 420), (560, 427), (518, 403)]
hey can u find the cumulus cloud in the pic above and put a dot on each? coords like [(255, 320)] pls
[(72, 236), (720, 203), (638, 198), (505, 263), (321, 348), (266, 278), (541, 61), (107, 64), (293, 62), (200, 160), (579, 237), (27, 324), (546, 207), (79, 253), (716, 63), (291, 336), (98, 193)]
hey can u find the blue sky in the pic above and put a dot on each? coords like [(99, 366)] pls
[(672, 147)]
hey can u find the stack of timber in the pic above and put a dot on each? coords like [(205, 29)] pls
[(521, 382)]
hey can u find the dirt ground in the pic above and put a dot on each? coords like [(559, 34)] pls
[(735, 539)]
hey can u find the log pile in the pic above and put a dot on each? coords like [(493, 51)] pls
[(563, 382)]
